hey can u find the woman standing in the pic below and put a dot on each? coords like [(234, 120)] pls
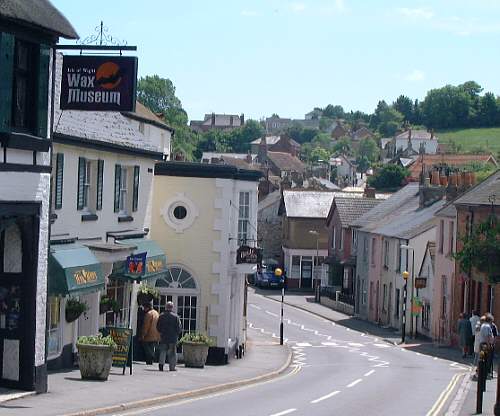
[(464, 334)]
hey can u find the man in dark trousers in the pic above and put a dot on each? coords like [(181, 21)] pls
[(169, 327)]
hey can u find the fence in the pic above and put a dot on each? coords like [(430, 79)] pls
[(336, 300)]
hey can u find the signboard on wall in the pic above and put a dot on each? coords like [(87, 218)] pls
[(248, 255), (98, 83)]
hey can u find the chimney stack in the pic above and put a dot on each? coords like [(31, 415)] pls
[(242, 119), (213, 119)]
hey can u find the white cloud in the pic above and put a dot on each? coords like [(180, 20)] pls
[(415, 75), (419, 13), (298, 7), (249, 13)]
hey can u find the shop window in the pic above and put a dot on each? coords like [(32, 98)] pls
[(118, 290), (244, 217), (13, 248), (54, 345)]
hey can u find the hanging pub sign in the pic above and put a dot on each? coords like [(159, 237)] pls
[(136, 264), (420, 282), (248, 255), (98, 83)]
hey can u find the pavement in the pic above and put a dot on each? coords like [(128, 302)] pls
[(70, 395), (464, 401)]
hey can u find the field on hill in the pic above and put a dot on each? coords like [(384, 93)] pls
[(473, 140)]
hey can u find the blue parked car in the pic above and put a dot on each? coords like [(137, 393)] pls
[(267, 278)]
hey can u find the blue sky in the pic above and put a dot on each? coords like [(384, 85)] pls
[(263, 56)]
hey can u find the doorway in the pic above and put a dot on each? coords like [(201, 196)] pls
[(19, 228), (306, 272)]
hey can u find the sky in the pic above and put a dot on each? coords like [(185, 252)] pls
[(260, 57)]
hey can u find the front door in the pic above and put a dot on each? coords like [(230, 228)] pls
[(306, 272), (18, 266)]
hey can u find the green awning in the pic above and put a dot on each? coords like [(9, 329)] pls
[(73, 270), (156, 260)]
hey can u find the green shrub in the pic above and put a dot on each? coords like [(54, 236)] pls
[(96, 340), (197, 338)]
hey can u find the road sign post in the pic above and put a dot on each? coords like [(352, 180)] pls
[(405, 275), (279, 273)]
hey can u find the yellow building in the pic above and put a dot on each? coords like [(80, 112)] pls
[(201, 214)]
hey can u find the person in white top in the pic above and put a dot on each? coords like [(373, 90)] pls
[(474, 320)]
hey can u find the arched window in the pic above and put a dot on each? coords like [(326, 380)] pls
[(177, 278)]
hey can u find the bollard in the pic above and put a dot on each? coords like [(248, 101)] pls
[(481, 383)]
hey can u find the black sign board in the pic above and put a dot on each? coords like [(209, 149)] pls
[(123, 352), (98, 83), (248, 255)]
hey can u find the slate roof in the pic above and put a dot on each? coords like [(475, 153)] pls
[(448, 211), (410, 221), (452, 160), (307, 204), (218, 155), (239, 163), (396, 202), (480, 194), (351, 208), (39, 13), (286, 162), (430, 251), (105, 126), (271, 140), (143, 113)]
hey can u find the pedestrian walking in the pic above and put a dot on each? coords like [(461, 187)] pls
[(494, 331), (169, 326), (149, 334), (474, 320), (477, 348), (486, 339), (464, 333)]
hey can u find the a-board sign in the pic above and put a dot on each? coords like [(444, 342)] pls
[(123, 340)]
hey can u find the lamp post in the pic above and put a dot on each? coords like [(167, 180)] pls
[(279, 273), (405, 275), (316, 233), (408, 248)]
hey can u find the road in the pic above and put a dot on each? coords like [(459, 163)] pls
[(335, 371)]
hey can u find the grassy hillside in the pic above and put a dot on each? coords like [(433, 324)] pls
[(473, 140)]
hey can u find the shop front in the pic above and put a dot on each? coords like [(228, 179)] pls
[(75, 280)]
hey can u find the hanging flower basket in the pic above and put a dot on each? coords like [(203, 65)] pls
[(74, 308), (147, 294), (108, 304)]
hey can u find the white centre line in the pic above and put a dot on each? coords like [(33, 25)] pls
[(272, 314), (359, 380), (255, 306), (369, 373), (284, 412), (333, 393)]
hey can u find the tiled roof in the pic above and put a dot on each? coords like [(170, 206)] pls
[(105, 126), (351, 208), (396, 202), (286, 162), (448, 211), (307, 204), (481, 193), (448, 160), (39, 13), (416, 134), (223, 120), (239, 163)]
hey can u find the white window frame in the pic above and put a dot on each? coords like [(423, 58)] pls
[(334, 238), (123, 207), (87, 185), (341, 245), (244, 217), (58, 330), (354, 238)]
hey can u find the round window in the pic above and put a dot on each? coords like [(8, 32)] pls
[(180, 212)]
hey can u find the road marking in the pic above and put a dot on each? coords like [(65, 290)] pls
[(303, 344), (272, 314), (355, 344), (382, 345), (443, 397), (329, 344), (284, 412), (359, 380), (369, 373), (327, 396), (255, 306)]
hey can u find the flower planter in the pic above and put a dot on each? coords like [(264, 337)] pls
[(195, 354), (95, 361)]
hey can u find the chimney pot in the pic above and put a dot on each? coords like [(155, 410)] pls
[(473, 178), (444, 180), (435, 178)]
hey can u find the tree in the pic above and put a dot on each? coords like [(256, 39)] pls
[(343, 146), (362, 164), (300, 134), (318, 153), (368, 148), (158, 94), (241, 138), (447, 107), (488, 110), (404, 105), (333, 111), (388, 177), (386, 119)]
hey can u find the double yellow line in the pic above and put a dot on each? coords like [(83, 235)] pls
[(445, 394)]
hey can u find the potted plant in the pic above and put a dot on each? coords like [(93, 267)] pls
[(95, 354), (195, 349), (147, 294), (107, 304), (74, 308)]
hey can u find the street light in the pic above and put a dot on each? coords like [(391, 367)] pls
[(278, 273), (408, 248), (316, 233), (405, 275)]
